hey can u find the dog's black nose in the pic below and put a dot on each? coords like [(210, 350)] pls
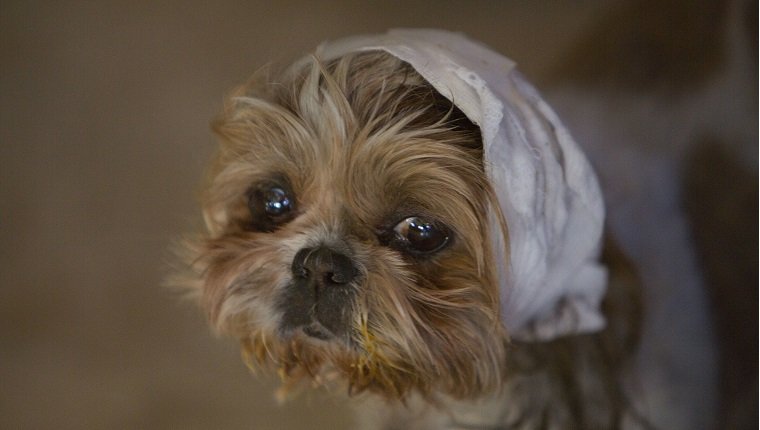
[(324, 266)]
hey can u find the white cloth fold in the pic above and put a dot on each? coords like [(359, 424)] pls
[(553, 283)]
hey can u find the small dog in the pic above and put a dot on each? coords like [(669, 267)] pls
[(358, 237)]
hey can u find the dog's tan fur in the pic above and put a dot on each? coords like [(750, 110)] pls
[(364, 140)]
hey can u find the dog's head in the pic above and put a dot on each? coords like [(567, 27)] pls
[(349, 231)]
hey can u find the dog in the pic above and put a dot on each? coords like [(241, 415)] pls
[(367, 232)]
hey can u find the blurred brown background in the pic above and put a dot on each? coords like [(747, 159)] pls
[(104, 111)]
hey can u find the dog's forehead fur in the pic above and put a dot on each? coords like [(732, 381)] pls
[(372, 181), (365, 167)]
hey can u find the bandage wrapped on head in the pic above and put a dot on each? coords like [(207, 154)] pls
[(551, 280)]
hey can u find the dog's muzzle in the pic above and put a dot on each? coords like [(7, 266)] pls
[(319, 301)]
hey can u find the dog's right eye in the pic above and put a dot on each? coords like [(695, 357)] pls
[(271, 205), (276, 202)]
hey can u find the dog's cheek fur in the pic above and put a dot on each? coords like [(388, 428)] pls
[(241, 278), (426, 334)]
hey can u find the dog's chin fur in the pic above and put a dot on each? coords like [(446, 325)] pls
[(362, 142)]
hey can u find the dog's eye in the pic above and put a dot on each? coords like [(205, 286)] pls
[(277, 202), (421, 236), (270, 204)]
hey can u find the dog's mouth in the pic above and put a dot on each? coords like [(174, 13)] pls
[(313, 331), (318, 331), (316, 321)]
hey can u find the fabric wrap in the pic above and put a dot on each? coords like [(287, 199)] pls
[(551, 281)]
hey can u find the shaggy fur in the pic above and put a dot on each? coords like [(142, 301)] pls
[(364, 142)]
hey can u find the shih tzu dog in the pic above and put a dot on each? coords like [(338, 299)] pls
[(404, 218)]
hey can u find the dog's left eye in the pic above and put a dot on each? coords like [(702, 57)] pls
[(271, 205), (421, 236), (276, 202)]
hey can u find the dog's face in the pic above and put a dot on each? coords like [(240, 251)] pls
[(349, 232)]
